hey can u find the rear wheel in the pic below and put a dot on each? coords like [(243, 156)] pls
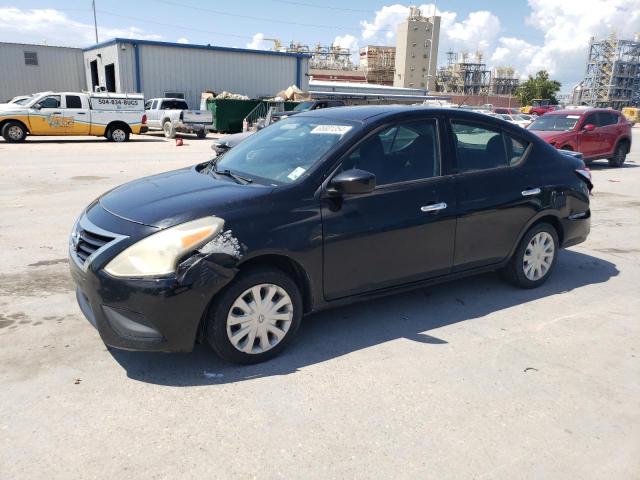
[(14, 132), (168, 129), (118, 134), (535, 258), (255, 317), (619, 155), (201, 133)]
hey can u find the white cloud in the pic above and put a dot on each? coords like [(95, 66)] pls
[(259, 43), (475, 32), (350, 42), (567, 27), (55, 28), (183, 40)]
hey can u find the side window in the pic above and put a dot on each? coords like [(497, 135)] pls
[(479, 148), (591, 119), (147, 106), (154, 105), (401, 153), (605, 118), (73, 101), (50, 102), (516, 149)]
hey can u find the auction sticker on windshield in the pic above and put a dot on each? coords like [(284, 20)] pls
[(331, 129), (296, 173), (573, 116)]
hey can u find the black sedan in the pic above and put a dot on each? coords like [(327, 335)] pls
[(319, 210)]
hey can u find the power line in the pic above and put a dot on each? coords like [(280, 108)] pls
[(324, 7), (262, 19), (180, 27)]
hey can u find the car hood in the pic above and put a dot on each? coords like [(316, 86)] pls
[(178, 196), (11, 107), (547, 135)]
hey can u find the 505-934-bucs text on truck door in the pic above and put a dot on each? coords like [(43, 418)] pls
[(113, 116)]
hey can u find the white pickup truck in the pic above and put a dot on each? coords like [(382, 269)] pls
[(172, 115), (112, 115)]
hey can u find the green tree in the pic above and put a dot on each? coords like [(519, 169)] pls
[(540, 86)]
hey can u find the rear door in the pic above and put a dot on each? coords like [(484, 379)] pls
[(75, 115), (496, 196), (610, 130), (401, 232)]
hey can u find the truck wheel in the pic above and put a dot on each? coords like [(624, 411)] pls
[(255, 316), (14, 132), (169, 130), (118, 134), (619, 155), (201, 133)]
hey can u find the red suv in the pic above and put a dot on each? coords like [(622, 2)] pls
[(596, 133)]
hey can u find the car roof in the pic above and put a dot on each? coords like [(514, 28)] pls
[(580, 111), (366, 113)]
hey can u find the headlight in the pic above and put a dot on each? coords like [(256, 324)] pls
[(158, 254)]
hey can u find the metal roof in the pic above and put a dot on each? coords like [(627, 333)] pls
[(114, 41)]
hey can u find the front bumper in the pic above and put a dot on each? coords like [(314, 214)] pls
[(150, 314)]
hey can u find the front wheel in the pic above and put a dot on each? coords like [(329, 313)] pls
[(201, 133), (254, 318), (535, 257), (619, 156), (14, 132)]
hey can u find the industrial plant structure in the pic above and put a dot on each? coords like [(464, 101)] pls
[(612, 77), (464, 75), (378, 63), (417, 51)]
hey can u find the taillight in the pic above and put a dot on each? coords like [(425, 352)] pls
[(144, 119), (585, 173)]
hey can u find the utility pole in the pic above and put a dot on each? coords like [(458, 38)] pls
[(95, 20)]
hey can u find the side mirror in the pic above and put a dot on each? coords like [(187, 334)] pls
[(589, 127), (36, 106), (352, 182)]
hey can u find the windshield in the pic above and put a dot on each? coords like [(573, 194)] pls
[(555, 123), (284, 151), (304, 106)]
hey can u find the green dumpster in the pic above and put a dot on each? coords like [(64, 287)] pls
[(228, 114)]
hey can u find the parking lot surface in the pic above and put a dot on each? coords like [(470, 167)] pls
[(472, 379)]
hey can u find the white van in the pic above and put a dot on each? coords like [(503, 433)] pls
[(114, 116)]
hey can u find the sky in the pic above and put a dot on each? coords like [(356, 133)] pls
[(525, 35)]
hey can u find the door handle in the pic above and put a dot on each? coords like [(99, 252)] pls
[(532, 191), (81, 113), (433, 208), (57, 113)]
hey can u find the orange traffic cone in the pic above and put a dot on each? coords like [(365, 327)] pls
[(178, 142)]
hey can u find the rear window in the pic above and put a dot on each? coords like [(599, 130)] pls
[(555, 122), (174, 105), (73, 101)]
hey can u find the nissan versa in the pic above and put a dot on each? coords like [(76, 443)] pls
[(318, 210)]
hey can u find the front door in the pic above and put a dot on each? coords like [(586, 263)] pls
[(401, 232), (590, 143), (47, 119), (496, 198)]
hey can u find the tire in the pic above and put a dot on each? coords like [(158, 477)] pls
[(619, 155), (517, 273), (14, 132), (265, 335), (168, 129), (118, 134), (201, 133)]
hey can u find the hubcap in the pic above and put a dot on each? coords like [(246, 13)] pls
[(260, 318), (538, 256), (15, 132), (118, 135)]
